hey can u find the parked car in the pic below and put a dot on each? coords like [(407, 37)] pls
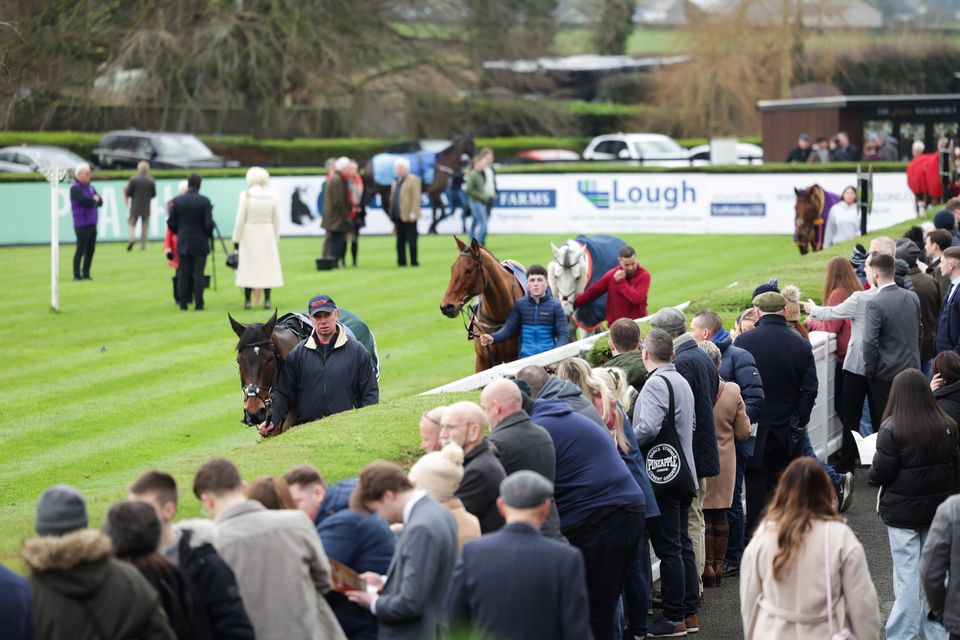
[(746, 154), (12, 167), (38, 158), (546, 155), (652, 149), (124, 149)]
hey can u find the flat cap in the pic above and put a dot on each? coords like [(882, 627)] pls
[(770, 302), (669, 319), (525, 490)]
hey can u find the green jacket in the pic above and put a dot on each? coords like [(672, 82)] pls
[(632, 365), (475, 186)]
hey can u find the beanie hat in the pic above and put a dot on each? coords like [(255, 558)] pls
[(792, 310), (439, 473), (944, 220), (133, 527), (769, 285), (858, 256), (60, 510), (908, 251)]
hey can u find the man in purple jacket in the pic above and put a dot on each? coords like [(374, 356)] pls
[(84, 201)]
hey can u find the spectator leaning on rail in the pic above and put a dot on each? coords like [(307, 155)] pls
[(327, 373), (84, 201), (626, 287), (537, 318), (138, 194)]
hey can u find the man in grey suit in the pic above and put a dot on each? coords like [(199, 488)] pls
[(892, 331), (517, 442), (410, 600)]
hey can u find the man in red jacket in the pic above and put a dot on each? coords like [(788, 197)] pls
[(626, 287)]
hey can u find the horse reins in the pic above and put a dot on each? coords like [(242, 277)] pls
[(254, 391)]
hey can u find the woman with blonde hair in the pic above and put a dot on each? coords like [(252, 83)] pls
[(256, 236), (804, 573), (439, 474), (577, 371)]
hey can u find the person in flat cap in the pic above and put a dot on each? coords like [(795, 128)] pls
[(329, 372), (79, 590), (696, 367), (786, 366), (517, 584)]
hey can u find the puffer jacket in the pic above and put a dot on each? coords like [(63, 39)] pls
[(701, 374), (737, 365), (77, 587), (948, 398), (914, 482), (541, 325)]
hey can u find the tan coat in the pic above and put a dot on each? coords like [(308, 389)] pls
[(468, 525), (257, 231), (282, 571), (409, 198), (795, 609), (730, 420)]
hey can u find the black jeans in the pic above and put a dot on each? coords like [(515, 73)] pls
[(762, 482), (879, 394), (86, 244), (679, 578), (335, 245), (190, 272), (406, 236), (608, 540)]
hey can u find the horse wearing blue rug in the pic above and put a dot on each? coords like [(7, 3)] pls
[(433, 169), (576, 265)]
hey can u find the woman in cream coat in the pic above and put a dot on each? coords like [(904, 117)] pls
[(257, 232), (783, 586)]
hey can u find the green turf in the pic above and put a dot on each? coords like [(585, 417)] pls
[(121, 381)]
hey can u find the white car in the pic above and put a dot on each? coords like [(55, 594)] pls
[(651, 149), (746, 154)]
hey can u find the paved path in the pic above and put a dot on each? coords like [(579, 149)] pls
[(720, 615)]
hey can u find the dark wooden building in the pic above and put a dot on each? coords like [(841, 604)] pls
[(905, 118)]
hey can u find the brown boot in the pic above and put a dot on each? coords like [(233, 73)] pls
[(721, 535), (709, 575)]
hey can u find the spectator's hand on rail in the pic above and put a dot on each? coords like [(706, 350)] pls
[(486, 339)]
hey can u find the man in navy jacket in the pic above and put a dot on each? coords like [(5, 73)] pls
[(948, 325), (537, 317), (517, 584)]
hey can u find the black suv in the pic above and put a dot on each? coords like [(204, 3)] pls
[(161, 150)]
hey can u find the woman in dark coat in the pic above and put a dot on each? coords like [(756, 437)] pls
[(946, 383), (135, 531), (917, 464)]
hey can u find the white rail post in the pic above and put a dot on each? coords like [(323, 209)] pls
[(54, 174)]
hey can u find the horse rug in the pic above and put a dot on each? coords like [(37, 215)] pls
[(356, 329), (923, 176), (423, 164), (820, 224), (603, 254)]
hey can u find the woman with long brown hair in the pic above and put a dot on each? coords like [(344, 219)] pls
[(272, 492), (946, 383), (803, 559), (917, 465), (842, 314)]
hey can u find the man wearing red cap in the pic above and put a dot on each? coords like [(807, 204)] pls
[(327, 373)]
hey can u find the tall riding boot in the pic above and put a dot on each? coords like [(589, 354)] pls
[(709, 576), (721, 535), (246, 297), (266, 298), (176, 294)]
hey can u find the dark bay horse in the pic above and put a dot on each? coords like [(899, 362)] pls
[(812, 209), (477, 273), (261, 352), (448, 161)]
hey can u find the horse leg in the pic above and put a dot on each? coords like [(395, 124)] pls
[(572, 328)]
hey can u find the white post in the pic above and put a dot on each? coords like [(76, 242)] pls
[(54, 175)]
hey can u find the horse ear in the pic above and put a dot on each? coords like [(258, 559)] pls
[(554, 248), (796, 191), (237, 327), (475, 246), (271, 324), (460, 244)]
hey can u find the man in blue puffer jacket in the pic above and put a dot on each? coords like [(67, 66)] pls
[(537, 317)]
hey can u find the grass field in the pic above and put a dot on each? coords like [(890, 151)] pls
[(121, 381)]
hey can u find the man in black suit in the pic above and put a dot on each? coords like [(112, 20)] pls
[(517, 584), (892, 330), (948, 324), (191, 218), (789, 373), (409, 605), (519, 444), (464, 424)]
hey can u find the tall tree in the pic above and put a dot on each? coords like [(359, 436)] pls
[(614, 27)]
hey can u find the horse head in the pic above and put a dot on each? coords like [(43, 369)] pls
[(566, 271), (259, 364), (466, 278), (807, 211)]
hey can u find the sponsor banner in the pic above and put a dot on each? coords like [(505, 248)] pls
[(526, 203)]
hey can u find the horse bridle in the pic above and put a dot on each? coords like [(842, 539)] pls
[(254, 391), (570, 296), (477, 318)]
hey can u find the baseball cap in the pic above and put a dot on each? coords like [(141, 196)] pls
[(320, 303)]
